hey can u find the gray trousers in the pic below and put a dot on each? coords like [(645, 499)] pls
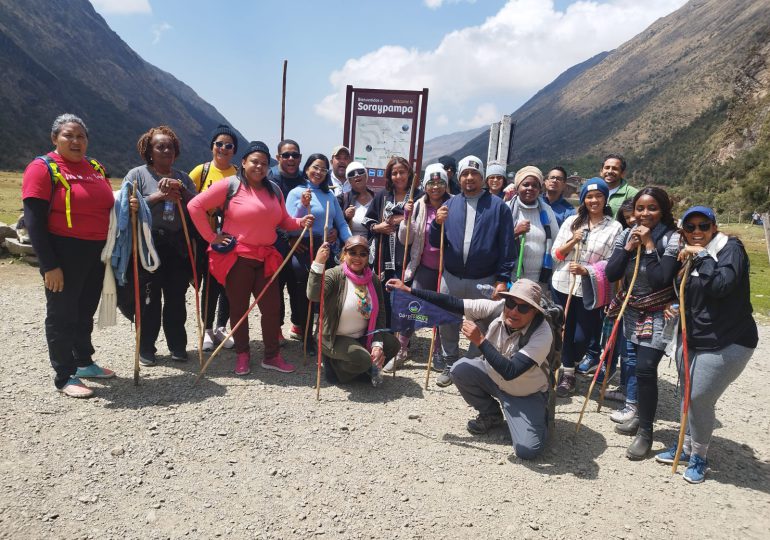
[(349, 358), (711, 372), (526, 416), (450, 333)]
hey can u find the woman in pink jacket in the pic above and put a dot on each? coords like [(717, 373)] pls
[(242, 256)]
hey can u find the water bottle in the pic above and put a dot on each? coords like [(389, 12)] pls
[(486, 290), (168, 211), (669, 329)]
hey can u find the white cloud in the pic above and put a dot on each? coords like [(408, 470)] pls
[(506, 59), (486, 113), (122, 7), (158, 30), (442, 120), (435, 4)]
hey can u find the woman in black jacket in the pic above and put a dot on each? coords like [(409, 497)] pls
[(721, 333)]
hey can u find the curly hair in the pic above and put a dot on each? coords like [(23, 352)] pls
[(144, 147), (397, 160)]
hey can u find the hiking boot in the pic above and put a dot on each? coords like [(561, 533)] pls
[(277, 363), (148, 360), (566, 385), (220, 334), (397, 362), (297, 333), (94, 372), (640, 446), (616, 394), (376, 376), (438, 363), (445, 379), (696, 470), (668, 456), (208, 340), (588, 365), (75, 388), (484, 422), (243, 363), (624, 415), (628, 428), (180, 356)]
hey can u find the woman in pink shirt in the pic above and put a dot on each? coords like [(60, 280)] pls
[(243, 256)]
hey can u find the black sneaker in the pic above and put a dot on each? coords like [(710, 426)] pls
[(484, 422), (179, 356)]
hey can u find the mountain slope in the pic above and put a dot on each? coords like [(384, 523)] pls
[(61, 56)]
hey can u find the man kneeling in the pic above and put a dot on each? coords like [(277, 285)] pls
[(506, 373)]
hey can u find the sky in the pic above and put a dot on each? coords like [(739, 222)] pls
[(478, 58)]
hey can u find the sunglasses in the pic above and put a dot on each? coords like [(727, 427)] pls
[(225, 145), (690, 227), (523, 308), (357, 172), (360, 254), (290, 155)]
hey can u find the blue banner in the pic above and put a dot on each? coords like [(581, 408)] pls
[(410, 313)]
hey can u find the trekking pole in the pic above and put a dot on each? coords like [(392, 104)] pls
[(309, 304), (438, 289), (253, 304), (610, 346), (520, 264), (195, 280), (283, 98), (408, 226), (321, 314), (137, 302), (571, 293), (685, 366)]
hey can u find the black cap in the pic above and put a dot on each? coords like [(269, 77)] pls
[(256, 146), (224, 129), (448, 162)]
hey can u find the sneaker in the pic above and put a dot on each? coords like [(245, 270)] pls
[(623, 415), (600, 378), (376, 376), (445, 379), (277, 363), (208, 340), (243, 363), (616, 394), (75, 388), (667, 457), (696, 470), (396, 362), (296, 333), (179, 356), (588, 365), (566, 385), (94, 372), (484, 422), (220, 334), (628, 428), (281, 340), (148, 360), (438, 363)]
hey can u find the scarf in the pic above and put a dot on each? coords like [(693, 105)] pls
[(365, 279), (715, 246), (547, 267), (646, 305)]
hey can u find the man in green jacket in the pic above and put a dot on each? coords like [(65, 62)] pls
[(613, 172)]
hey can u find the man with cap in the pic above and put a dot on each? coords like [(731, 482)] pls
[(450, 166), (554, 183), (478, 249), (340, 162), (613, 172), (512, 369)]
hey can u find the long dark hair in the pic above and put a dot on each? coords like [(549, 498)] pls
[(620, 217), (582, 215), (325, 184), (397, 160), (664, 201)]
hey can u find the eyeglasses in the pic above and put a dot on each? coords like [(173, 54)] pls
[(523, 308), (226, 146), (690, 227), (561, 178), (320, 169), (290, 155), (435, 184), (357, 172), (360, 254)]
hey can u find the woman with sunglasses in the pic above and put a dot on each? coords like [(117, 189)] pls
[(495, 179), (643, 319), (590, 236), (311, 198), (721, 333), (355, 202), (353, 338), (423, 265), (224, 145)]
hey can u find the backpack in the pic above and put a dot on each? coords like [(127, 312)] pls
[(57, 176)]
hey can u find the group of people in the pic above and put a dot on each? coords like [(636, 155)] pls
[(465, 239)]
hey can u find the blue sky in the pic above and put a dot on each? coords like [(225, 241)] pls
[(479, 58)]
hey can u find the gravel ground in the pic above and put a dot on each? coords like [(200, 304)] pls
[(259, 457)]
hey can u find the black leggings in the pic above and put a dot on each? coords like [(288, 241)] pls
[(647, 360)]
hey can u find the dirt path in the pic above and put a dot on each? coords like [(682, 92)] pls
[(258, 457)]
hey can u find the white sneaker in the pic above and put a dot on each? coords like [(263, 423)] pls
[(221, 334), (208, 340), (624, 415)]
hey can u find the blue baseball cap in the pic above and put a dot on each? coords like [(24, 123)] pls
[(703, 210)]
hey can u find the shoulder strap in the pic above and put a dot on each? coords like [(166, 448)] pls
[(98, 167), (57, 176), (534, 325), (204, 175)]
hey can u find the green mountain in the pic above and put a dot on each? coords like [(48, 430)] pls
[(61, 56)]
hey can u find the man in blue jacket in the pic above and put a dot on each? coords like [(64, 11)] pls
[(478, 249)]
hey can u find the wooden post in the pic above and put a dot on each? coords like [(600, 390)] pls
[(283, 98)]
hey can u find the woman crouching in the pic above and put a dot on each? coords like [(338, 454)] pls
[(352, 339)]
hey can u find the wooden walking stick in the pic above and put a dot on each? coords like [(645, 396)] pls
[(195, 280), (309, 303), (685, 366), (571, 290), (321, 315), (438, 289), (283, 98), (137, 301), (252, 306), (610, 346), (408, 227)]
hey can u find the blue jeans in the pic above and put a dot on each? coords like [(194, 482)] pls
[(627, 367)]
